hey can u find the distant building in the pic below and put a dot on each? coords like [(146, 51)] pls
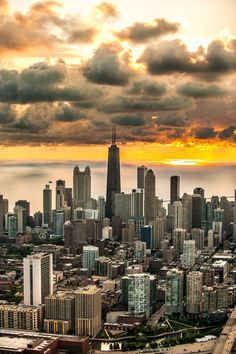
[(90, 253), (194, 292), (174, 188), (174, 292), (141, 173), (149, 199)]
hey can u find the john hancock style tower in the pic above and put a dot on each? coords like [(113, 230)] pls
[(113, 175)]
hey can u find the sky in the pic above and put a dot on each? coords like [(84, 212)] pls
[(163, 71)]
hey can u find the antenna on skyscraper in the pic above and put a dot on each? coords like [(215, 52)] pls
[(113, 134)]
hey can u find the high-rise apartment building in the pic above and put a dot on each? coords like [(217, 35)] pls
[(141, 173), (59, 312), (187, 211), (21, 214), (101, 208), (88, 310), (197, 201), (194, 292), (177, 215), (90, 253), (47, 205), (174, 292), (139, 294), (198, 236), (38, 278), (158, 232), (103, 267), (188, 256), (149, 199), (179, 235), (113, 175), (174, 188)]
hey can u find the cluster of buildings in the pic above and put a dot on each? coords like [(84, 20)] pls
[(124, 258)]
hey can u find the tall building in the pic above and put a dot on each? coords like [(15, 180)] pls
[(137, 203), (179, 235), (234, 224), (38, 278), (177, 215), (174, 188), (158, 232), (103, 267), (123, 205), (174, 291), (101, 208), (197, 202), (1, 214), (90, 253), (26, 205), (113, 175), (188, 256), (139, 294), (149, 199), (58, 222), (59, 312), (187, 211), (60, 194), (21, 214), (47, 205), (81, 186), (146, 235), (194, 292), (141, 173), (88, 311), (199, 237)]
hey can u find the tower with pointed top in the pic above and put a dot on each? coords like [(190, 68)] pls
[(113, 175)]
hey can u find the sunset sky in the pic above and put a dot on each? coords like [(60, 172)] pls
[(164, 71)]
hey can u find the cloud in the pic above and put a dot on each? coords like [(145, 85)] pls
[(204, 133), (168, 57), (147, 87), (173, 119), (107, 9), (43, 83), (67, 113), (228, 133), (7, 114), (141, 32), (82, 34), (108, 67), (4, 7), (129, 120), (122, 104), (199, 90)]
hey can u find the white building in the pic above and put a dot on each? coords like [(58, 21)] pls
[(38, 278), (107, 232)]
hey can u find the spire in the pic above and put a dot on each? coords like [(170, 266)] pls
[(113, 134)]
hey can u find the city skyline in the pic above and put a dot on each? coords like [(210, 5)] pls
[(163, 72)]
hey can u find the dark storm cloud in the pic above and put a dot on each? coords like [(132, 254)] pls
[(173, 56), (123, 104), (175, 119), (42, 83), (107, 9), (228, 133), (129, 120), (7, 114), (147, 87), (141, 32), (106, 67), (204, 133), (66, 113), (199, 90)]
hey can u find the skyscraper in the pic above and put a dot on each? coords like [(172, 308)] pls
[(113, 175), (81, 186), (47, 205), (141, 173), (149, 200), (137, 202), (38, 278), (174, 188), (194, 292), (60, 194), (188, 256), (90, 253)]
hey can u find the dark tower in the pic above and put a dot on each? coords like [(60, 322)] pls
[(113, 175), (174, 188)]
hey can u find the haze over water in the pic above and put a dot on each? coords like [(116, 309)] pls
[(26, 180)]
